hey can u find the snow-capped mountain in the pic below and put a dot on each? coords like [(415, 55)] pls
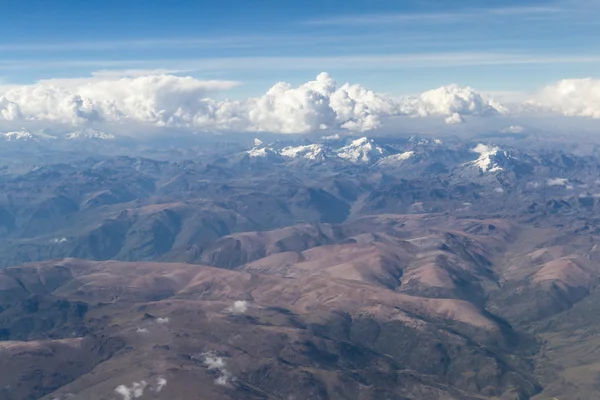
[(90, 134), (363, 150), (257, 152), (23, 136), (314, 152), (490, 158), (396, 159)]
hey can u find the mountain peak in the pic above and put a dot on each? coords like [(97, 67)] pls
[(362, 150), (487, 158), (88, 133)]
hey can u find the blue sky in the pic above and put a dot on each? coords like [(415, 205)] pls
[(396, 47)]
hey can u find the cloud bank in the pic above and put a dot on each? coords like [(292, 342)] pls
[(165, 100), (571, 97)]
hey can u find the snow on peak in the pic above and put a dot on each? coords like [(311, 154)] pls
[(256, 152), (362, 150), (310, 152), (18, 136), (24, 136), (90, 134), (262, 152), (486, 161), (396, 158)]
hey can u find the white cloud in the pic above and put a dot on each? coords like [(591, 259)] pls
[(571, 97), (160, 384), (455, 119), (162, 321), (174, 101), (513, 129), (9, 111), (450, 100), (213, 362), (238, 307), (136, 390), (142, 330), (558, 182), (155, 99), (131, 98)]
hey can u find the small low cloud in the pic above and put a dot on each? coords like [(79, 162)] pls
[(142, 330), (238, 307), (136, 390), (558, 182), (160, 385), (499, 190), (216, 363), (162, 321), (513, 129)]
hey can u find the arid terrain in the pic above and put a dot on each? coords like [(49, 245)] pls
[(358, 268)]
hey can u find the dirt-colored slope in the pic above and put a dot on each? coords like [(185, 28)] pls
[(233, 334)]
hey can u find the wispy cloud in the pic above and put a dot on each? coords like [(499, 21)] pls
[(348, 62), (437, 17), (212, 42), (134, 73)]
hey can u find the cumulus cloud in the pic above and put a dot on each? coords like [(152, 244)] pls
[(216, 363), (162, 321), (184, 102), (136, 390), (9, 111), (142, 330), (159, 98), (238, 307), (455, 119), (450, 100), (155, 99), (571, 97)]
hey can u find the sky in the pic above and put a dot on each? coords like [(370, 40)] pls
[(401, 47), (216, 64)]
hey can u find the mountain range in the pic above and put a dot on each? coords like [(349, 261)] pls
[(393, 267)]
